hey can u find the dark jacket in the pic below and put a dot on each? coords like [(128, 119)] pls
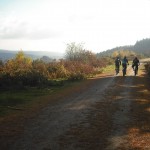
[(135, 62), (117, 62)]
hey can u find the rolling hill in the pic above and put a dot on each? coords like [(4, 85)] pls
[(8, 54)]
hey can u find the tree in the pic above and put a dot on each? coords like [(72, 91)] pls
[(1, 65), (75, 52), (20, 65), (115, 54), (17, 70), (46, 59)]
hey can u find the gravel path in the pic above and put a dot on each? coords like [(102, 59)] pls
[(121, 118), (44, 131), (97, 118)]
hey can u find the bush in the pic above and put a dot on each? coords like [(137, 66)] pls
[(57, 70), (55, 82), (76, 76), (22, 71), (147, 67)]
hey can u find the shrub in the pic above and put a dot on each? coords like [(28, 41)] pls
[(76, 76), (57, 70), (147, 67)]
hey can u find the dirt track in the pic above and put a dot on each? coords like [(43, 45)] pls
[(110, 113)]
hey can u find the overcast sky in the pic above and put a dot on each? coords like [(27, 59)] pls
[(49, 25)]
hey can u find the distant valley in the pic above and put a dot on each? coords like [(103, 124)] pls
[(8, 54)]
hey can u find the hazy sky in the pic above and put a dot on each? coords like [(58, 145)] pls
[(49, 25)]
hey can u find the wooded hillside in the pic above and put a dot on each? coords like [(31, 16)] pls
[(140, 49)]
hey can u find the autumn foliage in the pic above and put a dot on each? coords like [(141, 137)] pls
[(147, 67), (23, 71)]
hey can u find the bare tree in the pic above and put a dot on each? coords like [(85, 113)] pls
[(75, 52)]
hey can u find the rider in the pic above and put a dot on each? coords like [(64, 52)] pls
[(135, 63), (125, 62), (117, 64)]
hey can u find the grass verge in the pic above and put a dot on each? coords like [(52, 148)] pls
[(14, 99), (108, 69)]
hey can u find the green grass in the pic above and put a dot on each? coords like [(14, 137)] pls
[(111, 68), (108, 69), (20, 98), (16, 98)]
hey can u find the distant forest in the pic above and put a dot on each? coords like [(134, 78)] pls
[(140, 49)]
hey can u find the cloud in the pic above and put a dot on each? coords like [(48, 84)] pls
[(80, 18), (41, 33), (16, 28)]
